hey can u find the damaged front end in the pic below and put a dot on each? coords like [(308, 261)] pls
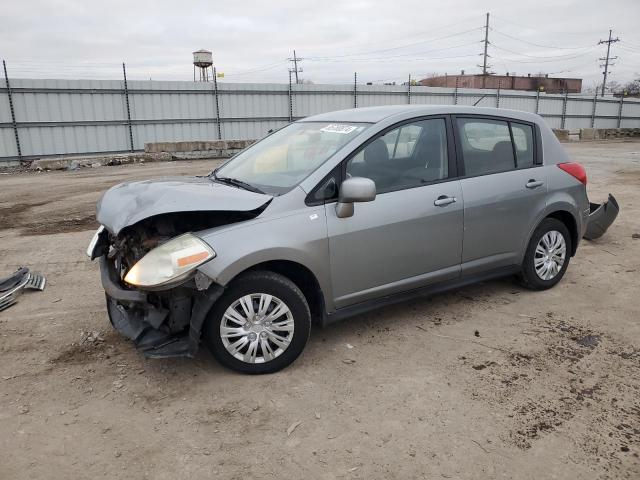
[(160, 308), (149, 260), (163, 319), (601, 216)]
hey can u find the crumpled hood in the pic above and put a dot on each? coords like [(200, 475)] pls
[(128, 203)]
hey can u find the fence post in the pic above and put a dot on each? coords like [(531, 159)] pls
[(13, 113), (498, 94), (215, 94), (564, 109), (537, 100), (409, 91), (455, 92), (355, 89), (290, 99), (126, 97), (620, 110), (593, 110)]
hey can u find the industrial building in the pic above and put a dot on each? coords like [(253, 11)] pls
[(506, 82)]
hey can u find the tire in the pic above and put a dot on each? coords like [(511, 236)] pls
[(529, 276), (242, 302)]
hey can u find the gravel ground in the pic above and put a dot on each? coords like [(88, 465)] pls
[(549, 389)]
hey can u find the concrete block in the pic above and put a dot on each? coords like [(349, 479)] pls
[(562, 135), (73, 163), (588, 133)]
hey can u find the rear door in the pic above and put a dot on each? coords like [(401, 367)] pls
[(411, 234), (503, 186)]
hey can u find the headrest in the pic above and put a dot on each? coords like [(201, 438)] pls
[(376, 153)]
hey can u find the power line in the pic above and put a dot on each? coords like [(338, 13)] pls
[(538, 44), (545, 58), (607, 59), (395, 48), (542, 29)]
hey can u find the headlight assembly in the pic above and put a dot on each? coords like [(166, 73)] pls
[(170, 262)]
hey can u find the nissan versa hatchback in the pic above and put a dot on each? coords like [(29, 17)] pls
[(332, 216)]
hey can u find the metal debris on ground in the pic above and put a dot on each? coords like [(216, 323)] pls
[(13, 285)]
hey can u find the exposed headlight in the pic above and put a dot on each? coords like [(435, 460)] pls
[(170, 261)]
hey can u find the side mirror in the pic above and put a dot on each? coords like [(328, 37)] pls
[(354, 189)]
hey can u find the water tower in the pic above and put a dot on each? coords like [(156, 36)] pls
[(202, 60)]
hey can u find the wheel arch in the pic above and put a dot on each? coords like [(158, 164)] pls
[(302, 277), (564, 212), (570, 222)]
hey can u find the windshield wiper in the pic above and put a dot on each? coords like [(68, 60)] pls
[(236, 183)]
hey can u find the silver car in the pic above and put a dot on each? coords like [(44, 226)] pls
[(332, 216)]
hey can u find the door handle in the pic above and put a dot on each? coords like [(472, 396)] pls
[(443, 200), (532, 183)]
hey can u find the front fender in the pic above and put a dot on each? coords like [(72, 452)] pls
[(300, 237)]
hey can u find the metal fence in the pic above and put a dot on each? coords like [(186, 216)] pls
[(63, 117)]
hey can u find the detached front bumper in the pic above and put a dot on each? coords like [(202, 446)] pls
[(601, 216), (160, 324)]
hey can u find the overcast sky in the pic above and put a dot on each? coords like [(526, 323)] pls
[(381, 40)]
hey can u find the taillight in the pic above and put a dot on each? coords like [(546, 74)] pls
[(575, 170)]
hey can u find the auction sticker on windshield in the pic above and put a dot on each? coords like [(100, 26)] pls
[(337, 128)]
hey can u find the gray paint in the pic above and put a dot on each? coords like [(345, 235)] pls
[(128, 203), (400, 241)]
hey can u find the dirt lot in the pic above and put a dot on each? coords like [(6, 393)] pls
[(549, 389)]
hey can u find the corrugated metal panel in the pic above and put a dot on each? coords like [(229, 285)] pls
[(606, 123), (313, 99), (550, 105), (71, 140), (579, 106), (608, 107), (7, 143), (172, 132), (517, 102), (575, 123), (631, 108), (249, 130), (89, 116)]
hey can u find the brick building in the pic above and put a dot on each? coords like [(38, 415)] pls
[(506, 82)]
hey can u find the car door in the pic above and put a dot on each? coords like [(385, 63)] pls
[(411, 234), (503, 190)]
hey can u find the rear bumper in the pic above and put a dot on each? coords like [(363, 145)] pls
[(601, 216), (166, 324)]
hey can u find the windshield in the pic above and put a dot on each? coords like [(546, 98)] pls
[(286, 157)]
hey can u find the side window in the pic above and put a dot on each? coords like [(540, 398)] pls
[(523, 140), (405, 157), (486, 146)]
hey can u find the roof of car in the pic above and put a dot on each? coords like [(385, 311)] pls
[(377, 114)]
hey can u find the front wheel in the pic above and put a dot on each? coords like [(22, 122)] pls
[(547, 256), (260, 324)]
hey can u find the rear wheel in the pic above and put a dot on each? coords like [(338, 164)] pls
[(547, 256), (260, 324)]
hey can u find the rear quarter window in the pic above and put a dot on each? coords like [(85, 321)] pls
[(523, 140)]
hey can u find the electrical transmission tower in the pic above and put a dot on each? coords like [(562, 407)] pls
[(295, 68), (607, 59)]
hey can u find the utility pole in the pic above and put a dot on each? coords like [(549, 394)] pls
[(607, 59), (485, 56), (486, 44), (295, 68)]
